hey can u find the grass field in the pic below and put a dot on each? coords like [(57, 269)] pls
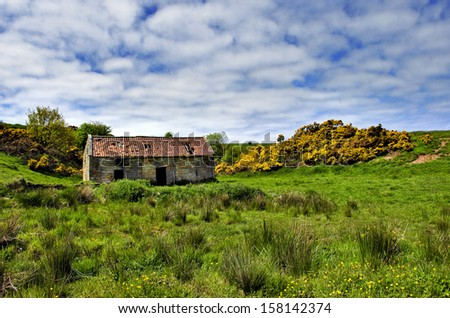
[(378, 229)]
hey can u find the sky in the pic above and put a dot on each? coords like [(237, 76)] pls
[(247, 68)]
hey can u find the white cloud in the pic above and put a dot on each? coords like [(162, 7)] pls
[(245, 67), (117, 64)]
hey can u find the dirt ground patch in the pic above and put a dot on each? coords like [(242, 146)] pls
[(425, 158), (392, 155)]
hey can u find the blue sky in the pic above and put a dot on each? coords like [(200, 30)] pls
[(243, 67)]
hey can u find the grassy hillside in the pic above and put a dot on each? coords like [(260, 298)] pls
[(376, 229), (12, 169)]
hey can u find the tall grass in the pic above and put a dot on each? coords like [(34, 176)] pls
[(41, 197), (182, 253), (378, 244), (56, 260), (49, 218), (436, 238), (293, 249), (309, 203), (9, 229), (242, 268)]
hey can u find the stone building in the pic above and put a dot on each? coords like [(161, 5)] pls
[(163, 161)]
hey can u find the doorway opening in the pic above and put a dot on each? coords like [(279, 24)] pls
[(161, 176)]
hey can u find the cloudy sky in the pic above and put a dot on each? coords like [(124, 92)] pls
[(246, 67)]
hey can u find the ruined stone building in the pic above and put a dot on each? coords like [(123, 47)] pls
[(163, 161)]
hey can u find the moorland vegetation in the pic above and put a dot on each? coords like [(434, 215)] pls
[(378, 228)]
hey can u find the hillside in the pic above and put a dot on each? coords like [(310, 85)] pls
[(11, 169)]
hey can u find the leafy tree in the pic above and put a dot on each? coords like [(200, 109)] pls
[(92, 128), (280, 138), (168, 134), (47, 127), (218, 141)]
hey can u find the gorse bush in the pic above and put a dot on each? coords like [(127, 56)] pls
[(331, 142)]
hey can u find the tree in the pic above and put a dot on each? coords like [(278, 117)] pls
[(217, 141), (47, 127), (280, 138), (168, 134), (92, 128)]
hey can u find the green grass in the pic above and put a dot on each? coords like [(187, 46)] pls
[(11, 169), (379, 229)]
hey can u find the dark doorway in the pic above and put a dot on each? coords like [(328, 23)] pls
[(118, 174), (161, 177)]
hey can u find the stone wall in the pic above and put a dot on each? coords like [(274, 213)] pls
[(175, 170)]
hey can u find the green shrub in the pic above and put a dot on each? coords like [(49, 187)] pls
[(126, 190), (239, 192), (75, 195)]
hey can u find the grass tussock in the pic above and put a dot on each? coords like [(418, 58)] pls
[(9, 229), (310, 203), (245, 270), (378, 244), (435, 240)]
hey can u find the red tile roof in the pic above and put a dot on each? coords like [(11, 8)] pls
[(150, 147)]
